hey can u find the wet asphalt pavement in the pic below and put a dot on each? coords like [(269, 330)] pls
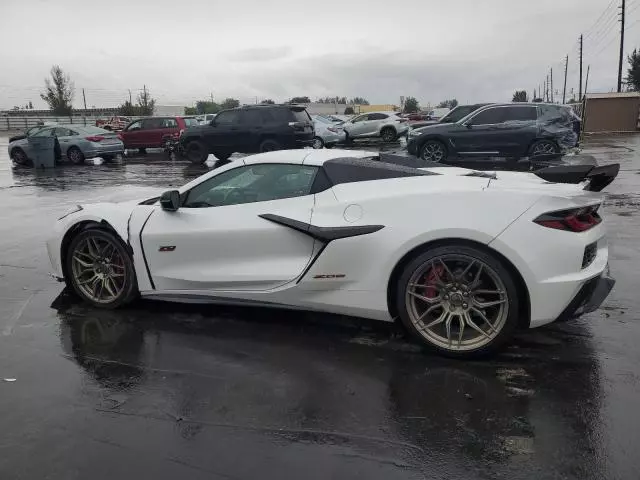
[(172, 391)]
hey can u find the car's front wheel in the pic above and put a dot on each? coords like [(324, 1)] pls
[(433, 151), (18, 156), (458, 300), (100, 269)]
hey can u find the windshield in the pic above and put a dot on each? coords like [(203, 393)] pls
[(191, 122), (458, 113)]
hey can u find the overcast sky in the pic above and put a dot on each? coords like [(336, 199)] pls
[(184, 50)]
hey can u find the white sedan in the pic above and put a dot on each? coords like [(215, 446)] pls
[(462, 258)]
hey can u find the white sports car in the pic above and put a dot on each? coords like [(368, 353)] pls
[(462, 258)]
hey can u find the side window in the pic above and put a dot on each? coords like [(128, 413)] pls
[(252, 183), (62, 132), (135, 126), (520, 114), (488, 117), (361, 118), (230, 117), (251, 117), (169, 123), (45, 132), (377, 116), (151, 123)]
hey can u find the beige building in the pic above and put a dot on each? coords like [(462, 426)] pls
[(611, 112)]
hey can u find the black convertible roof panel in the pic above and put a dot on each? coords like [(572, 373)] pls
[(349, 170)]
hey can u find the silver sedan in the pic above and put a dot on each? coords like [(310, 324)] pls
[(328, 133), (75, 142)]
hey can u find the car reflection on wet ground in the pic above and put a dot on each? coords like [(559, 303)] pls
[(182, 391)]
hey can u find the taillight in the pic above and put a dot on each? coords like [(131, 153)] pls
[(573, 220), (95, 138)]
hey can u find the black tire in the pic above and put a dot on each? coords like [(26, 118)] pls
[(75, 156), (142, 151), (221, 163), (269, 145), (129, 289), (388, 134), (222, 156), (107, 158), (107, 127), (428, 151), (491, 263), (196, 152), (318, 143), (20, 158), (348, 140), (543, 147)]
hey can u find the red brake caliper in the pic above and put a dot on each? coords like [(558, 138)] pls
[(431, 280)]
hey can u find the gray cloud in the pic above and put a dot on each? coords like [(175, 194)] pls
[(260, 54)]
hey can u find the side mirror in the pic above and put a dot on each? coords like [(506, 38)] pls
[(170, 200)]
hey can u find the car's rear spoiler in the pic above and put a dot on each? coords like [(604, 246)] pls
[(599, 177)]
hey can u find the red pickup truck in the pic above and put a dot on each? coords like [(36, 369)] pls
[(151, 132)]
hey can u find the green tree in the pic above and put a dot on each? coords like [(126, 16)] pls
[(359, 101), (453, 103), (229, 103), (519, 96), (300, 100), (127, 109), (30, 105), (411, 105), (59, 92), (207, 106), (539, 100), (190, 111), (570, 101), (349, 111), (146, 104), (633, 73), (267, 101)]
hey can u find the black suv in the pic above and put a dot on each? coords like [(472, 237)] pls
[(249, 129), (499, 130)]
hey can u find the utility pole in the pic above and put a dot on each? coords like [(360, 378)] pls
[(211, 95), (546, 89), (564, 90), (551, 84), (622, 13), (84, 100), (580, 88), (586, 84), (130, 101)]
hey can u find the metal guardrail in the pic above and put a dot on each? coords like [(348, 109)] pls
[(15, 123)]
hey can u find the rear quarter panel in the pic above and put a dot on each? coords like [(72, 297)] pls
[(414, 211)]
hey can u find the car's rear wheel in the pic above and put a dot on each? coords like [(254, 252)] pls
[(458, 300), (197, 152), (542, 147), (388, 134), (433, 151), (269, 145), (223, 156), (318, 143), (100, 269), (75, 156), (18, 156)]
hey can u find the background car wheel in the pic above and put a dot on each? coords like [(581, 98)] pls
[(222, 156), (100, 269), (433, 151), (542, 147), (318, 143), (75, 156), (18, 156), (142, 151), (458, 300), (269, 145), (197, 152), (107, 127), (348, 139), (221, 163), (388, 134), (107, 158)]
